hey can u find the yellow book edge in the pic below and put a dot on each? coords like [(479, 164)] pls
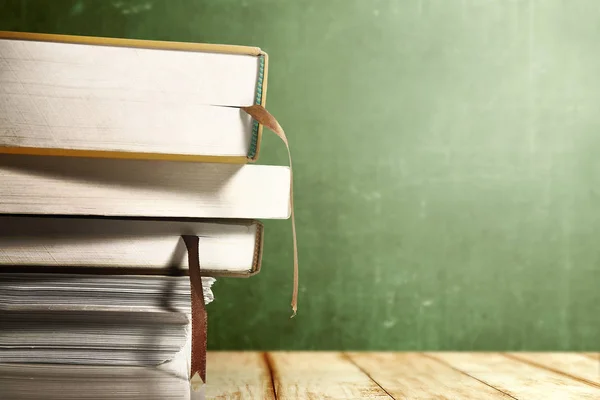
[(146, 44)]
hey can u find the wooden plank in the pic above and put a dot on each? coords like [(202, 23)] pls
[(415, 376), (238, 375), (517, 378), (595, 356), (320, 375), (575, 365)]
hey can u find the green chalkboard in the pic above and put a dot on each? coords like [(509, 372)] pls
[(447, 166)]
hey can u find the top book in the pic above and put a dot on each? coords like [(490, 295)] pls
[(122, 98)]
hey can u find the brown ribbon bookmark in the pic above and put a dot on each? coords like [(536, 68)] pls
[(260, 114), (199, 316)]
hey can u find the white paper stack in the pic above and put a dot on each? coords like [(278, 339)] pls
[(64, 382), (94, 319)]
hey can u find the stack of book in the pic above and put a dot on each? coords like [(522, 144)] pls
[(126, 187)]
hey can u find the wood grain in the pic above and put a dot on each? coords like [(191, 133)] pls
[(520, 380), (321, 375), (238, 375), (595, 356), (415, 376), (574, 365)]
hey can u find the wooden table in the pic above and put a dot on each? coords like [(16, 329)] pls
[(461, 376)]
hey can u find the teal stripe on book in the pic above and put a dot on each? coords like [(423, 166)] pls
[(259, 86)]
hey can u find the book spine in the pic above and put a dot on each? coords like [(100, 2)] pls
[(258, 100)]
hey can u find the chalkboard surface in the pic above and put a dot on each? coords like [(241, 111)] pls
[(447, 166)]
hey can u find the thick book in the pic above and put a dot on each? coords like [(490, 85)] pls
[(76, 382), (142, 188), (123, 98), (128, 246), (59, 328)]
